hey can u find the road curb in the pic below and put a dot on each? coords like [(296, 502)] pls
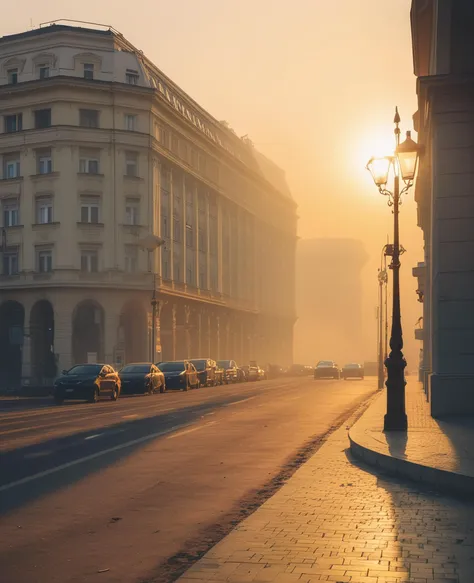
[(442, 480)]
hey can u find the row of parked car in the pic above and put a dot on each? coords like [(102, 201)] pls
[(93, 381), (329, 369)]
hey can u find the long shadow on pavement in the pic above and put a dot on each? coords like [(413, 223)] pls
[(79, 457)]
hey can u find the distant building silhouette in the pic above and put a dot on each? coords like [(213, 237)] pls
[(329, 300)]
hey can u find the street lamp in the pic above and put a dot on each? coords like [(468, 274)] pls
[(383, 279), (403, 165), (150, 243)]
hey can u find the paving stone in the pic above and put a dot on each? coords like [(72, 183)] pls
[(338, 520)]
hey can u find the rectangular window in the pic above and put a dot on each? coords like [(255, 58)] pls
[(131, 77), (89, 162), (202, 277), (177, 230), (165, 263), (165, 229), (202, 240), (44, 210), (131, 164), (42, 118), (130, 122), (45, 261), (177, 267), (10, 263), (194, 158), (12, 75), (89, 118), (13, 123), (90, 210), (131, 259), (89, 261), (11, 213), (162, 135), (44, 163), (11, 166), (43, 71), (174, 144), (132, 207), (88, 71), (189, 236)]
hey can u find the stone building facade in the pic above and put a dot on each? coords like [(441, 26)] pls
[(443, 51), (99, 151)]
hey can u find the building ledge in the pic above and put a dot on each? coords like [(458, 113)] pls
[(90, 175), (46, 175), (41, 226), (11, 180)]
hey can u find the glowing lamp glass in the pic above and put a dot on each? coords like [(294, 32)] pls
[(407, 155), (379, 168)]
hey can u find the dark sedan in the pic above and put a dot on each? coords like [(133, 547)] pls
[(180, 374), (142, 377), (206, 369), (326, 369), (232, 373), (353, 370), (88, 382)]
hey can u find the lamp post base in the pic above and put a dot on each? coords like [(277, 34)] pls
[(395, 422)]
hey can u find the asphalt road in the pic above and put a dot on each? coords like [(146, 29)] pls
[(134, 491)]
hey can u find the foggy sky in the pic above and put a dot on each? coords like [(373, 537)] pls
[(313, 84)]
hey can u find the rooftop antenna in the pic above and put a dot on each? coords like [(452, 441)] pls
[(31, 24)]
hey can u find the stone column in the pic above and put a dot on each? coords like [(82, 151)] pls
[(110, 328), (452, 249), (63, 315), (187, 313), (158, 348), (26, 364), (200, 343), (173, 329), (208, 242), (219, 247)]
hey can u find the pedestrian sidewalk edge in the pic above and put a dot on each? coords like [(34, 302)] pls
[(381, 450)]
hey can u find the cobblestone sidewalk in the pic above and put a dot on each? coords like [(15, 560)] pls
[(335, 520)]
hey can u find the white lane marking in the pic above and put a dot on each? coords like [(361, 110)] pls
[(31, 456), (89, 457), (241, 401), (186, 431), (93, 436)]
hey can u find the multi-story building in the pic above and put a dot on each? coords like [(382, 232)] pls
[(101, 151), (443, 53)]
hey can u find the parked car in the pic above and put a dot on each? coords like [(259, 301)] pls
[(220, 375), (274, 371), (297, 370), (253, 374), (326, 369), (142, 377), (206, 369), (245, 371), (180, 374), (352, 370), (231, 370), (89, 382)]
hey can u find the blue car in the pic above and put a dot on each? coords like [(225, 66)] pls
[(180, 374)]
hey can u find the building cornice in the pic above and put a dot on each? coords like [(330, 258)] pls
[(153, 95)]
